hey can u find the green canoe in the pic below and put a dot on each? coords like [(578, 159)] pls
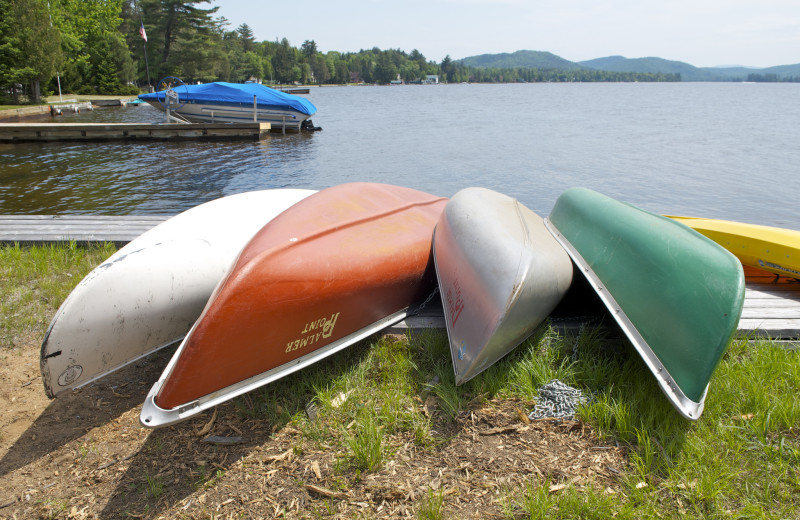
[(676, 294)]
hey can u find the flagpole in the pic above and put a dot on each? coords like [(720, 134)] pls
[(144, 44), (58, 76)]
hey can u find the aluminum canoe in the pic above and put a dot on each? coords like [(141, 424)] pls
[(772, 249), (500, 274), (333, 269), (149, 293), (676, 294)]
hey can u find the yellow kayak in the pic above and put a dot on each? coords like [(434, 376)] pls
[(772, 249)]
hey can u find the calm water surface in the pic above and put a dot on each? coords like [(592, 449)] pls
[(722, 150)]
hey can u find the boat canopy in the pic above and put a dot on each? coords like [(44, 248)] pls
[(239, 93)]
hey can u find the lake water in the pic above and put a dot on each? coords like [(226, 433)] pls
[(722, 150)]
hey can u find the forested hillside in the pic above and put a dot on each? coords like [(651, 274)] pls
[(645, 69), (520, 59), (692, 73)]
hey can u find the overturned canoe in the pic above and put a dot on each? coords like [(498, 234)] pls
[(676, 294), (149, 293), (772, 249), (333, 269), (500, 274)]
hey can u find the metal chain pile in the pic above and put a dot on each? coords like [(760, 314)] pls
[(557, 400)]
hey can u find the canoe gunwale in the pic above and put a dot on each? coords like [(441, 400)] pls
[(689, 409), (153, 416)]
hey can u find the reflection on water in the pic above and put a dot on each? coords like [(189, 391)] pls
[(718, 150)]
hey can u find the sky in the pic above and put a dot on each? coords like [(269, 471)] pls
[(704, 33)]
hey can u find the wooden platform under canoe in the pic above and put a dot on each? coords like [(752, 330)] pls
[(771, 310), (37, 132), (771, 306)]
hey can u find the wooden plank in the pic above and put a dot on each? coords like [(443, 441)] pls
[(417, 323), (771, 306), (771, 328), (81, 228), (772, 303), (773, 288), (780, 313), (31, 132), (87, 218)]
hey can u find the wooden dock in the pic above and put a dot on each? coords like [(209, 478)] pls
[(83, 229), (771, 305), (37, 132)]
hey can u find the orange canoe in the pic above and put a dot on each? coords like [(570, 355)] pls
[(329, 271)]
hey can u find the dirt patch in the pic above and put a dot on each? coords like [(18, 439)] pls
[(85, 455)]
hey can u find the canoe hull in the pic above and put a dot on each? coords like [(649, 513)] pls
[(149, 293), (676, 295), (772, 249), (500, 273), (331, 270)]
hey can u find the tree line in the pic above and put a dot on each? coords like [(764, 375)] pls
[(772, 78), (124, 46)]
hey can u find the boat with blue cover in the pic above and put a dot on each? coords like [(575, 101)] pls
[(222, 102)]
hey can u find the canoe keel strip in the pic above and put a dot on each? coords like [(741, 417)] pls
[(676, 294), (333, 269)]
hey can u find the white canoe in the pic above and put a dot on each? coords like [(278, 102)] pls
[(149, 293), (500, 273)]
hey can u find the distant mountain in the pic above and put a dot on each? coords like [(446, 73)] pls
[(547, 60), (780, 70), (687, 72), (622, 64), (520, 59)]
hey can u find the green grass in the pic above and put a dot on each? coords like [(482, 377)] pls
[(741, 459), (155, 486), (35, 280), (538, 503), (432, 506), (726, 465)]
